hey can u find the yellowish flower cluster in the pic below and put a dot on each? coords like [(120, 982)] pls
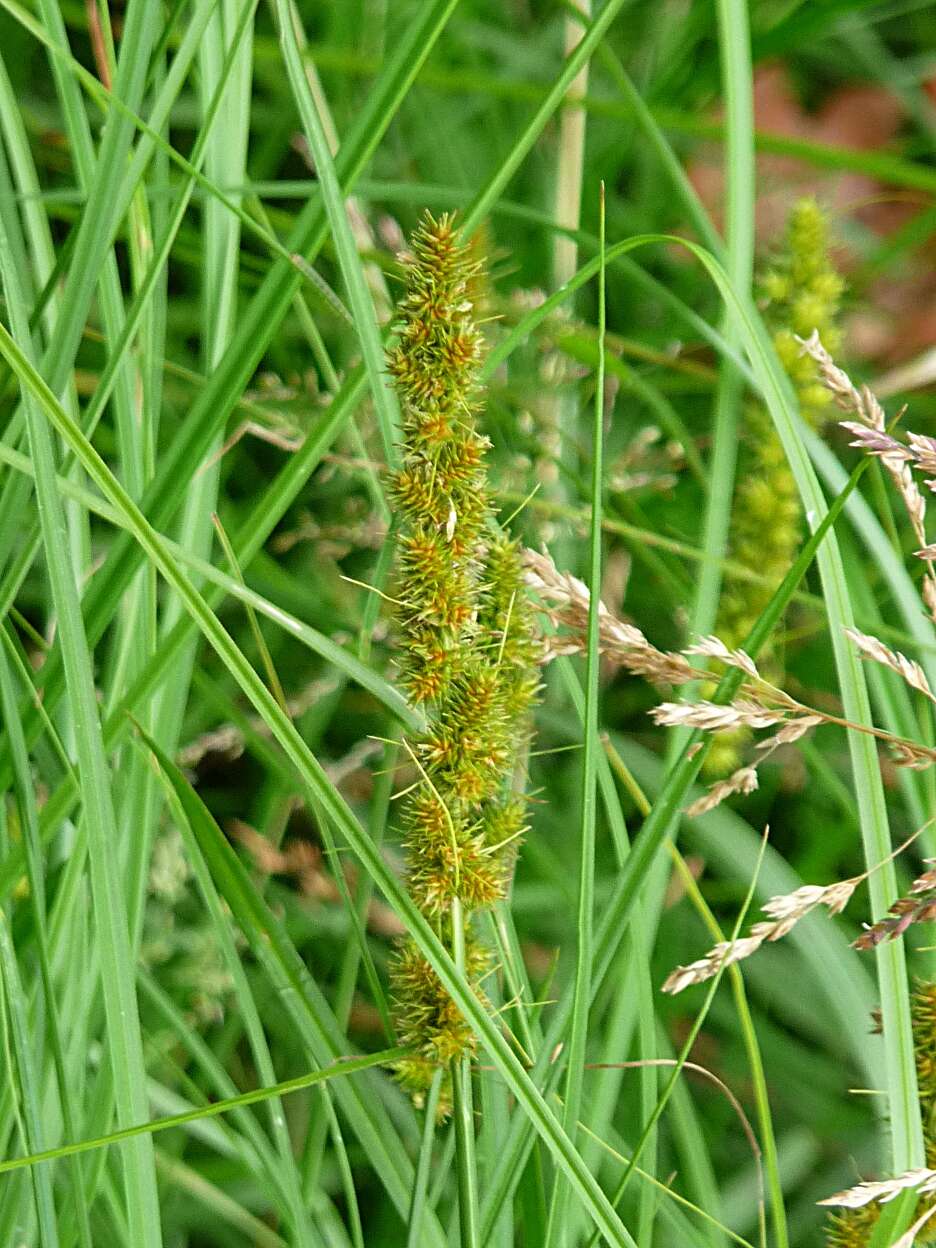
[(468, 648), (802, 293)]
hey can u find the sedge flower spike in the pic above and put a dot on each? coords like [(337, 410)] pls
[(802, 288), (467, 645)]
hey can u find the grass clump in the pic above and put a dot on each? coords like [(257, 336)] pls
[(269, 955)]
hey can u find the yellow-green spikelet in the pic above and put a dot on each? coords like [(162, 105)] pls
[(802, 292), (467, 642), (852, 1228)]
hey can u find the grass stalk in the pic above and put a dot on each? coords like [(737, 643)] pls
[(582, 992)]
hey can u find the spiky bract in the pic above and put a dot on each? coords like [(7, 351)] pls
[(468, 649)]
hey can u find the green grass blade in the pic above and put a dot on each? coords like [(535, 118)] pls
[(250, 1015), (123, 1026), (739, 261), (557, 1227), (484, 201), (296, 990), (14, 1000), (333, 653), (362, 305), (414, 1220), (672, 794), (687, 1043), (29, 833), (251, 1145), (255, 328), (465, 1154), (903, 1103), (346, 1066)]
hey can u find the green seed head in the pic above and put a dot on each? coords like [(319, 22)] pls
[(467, 641)]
